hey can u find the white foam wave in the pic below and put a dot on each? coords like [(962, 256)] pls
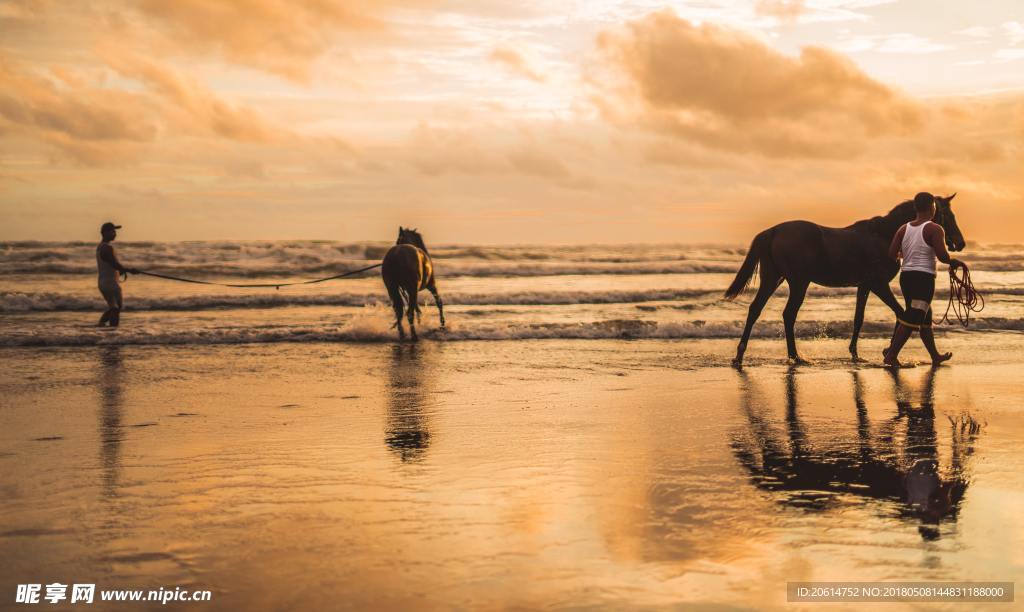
[(374, 324), (22, 302), (14, 302)]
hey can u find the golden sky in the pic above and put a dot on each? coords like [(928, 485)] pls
[(490, 121)]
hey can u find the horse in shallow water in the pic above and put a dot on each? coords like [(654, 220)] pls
[(801, 253), (406, 270)]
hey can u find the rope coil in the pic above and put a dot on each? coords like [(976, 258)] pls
[(254, 285), (963, 297)]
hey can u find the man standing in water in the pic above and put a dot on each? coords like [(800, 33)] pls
[(918, 244), (110, 271)]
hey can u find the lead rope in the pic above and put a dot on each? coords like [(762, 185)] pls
[(274, 285), (963, 297)]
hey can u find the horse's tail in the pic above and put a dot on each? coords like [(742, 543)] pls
[(758, 248)]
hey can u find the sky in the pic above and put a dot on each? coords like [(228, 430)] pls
[(490, 122)]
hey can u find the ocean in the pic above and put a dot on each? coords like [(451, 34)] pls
[(48, 294)]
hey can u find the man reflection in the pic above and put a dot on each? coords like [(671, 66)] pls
[(110, 409), (406, 431), (881, 464)]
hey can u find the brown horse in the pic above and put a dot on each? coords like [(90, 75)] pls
[(801, 253), (406, 270)]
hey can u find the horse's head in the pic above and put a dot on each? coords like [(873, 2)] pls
[(944, 216), (410, 236)]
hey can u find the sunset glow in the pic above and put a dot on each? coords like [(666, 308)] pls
[(504, 122)]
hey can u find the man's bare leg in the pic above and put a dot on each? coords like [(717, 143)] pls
[(892, 354), (928, 339), (108, 314), (115, 302)]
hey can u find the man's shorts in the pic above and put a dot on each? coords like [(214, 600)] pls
[(918, 289)]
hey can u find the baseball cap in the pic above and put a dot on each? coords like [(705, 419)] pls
[(109, 225)]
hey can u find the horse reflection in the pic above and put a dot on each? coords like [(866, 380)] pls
[(407, 431), (111, 433), (894, 463)]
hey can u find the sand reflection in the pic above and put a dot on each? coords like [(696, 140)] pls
[(896, 459)]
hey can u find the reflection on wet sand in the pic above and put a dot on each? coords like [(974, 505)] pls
[(887, 462), (407, 431), (111, 432)]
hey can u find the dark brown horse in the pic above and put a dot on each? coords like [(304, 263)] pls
[(406, 270), (801, 253)]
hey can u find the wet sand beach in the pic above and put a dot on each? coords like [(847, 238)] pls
[(508, 474)]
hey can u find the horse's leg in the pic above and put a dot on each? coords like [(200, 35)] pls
[(884, 293), (398, 305), (411, 312), (437, 300), (858, 319), (768, 284), (797, 291)]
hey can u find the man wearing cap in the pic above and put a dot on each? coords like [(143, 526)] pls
[(917, 245), (110, 272)]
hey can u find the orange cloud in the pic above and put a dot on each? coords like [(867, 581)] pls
[(280, 36), (85, 120), (191, 106), (783, 10), (728, 90), (512, 59), (82, 115)]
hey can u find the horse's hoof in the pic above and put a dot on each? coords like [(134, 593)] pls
[(857, 359), (799, 361), (737, 363)]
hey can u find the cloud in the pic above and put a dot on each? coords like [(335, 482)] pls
[(900, 43), (190, 106), (512, 59), (975, 32), (728, 90), (1009, 54), (1014, 31), (22, 9), (90, 122), (83, 115), (537, 163), (783, 10), (512, 153), (279, 36)]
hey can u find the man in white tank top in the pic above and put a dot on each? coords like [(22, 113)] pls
[(918, 244), (109, 275)]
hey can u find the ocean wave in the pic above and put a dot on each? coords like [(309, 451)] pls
[(284, 260), (304, 268), (15, 302), (299, 269), (374, 325), (12, 302)]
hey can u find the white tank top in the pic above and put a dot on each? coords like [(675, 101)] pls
[(918, 255), (108, 276)]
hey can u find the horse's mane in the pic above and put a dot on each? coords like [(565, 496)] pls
[(416, 239), (890, 222)]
